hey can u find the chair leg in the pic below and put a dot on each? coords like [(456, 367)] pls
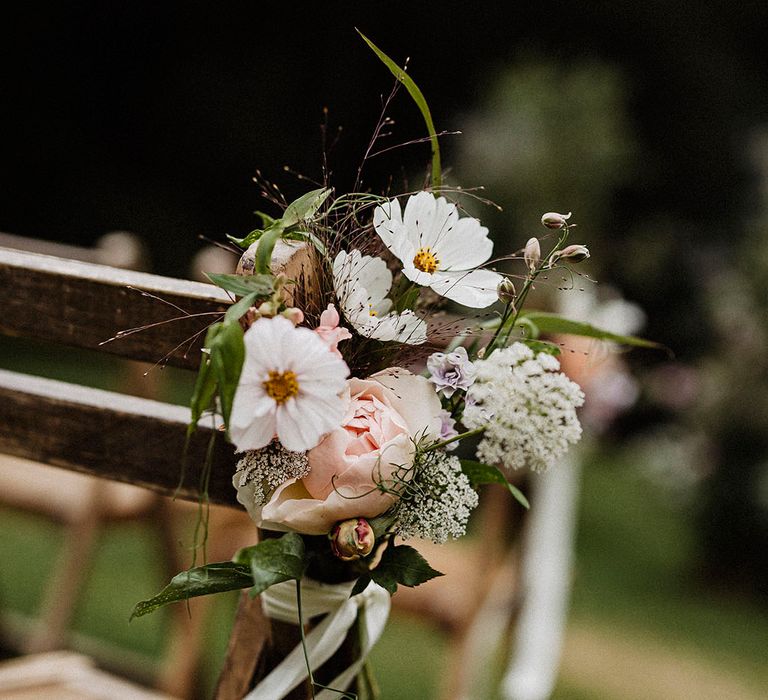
[(63, 590)]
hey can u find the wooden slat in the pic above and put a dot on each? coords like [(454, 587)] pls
[(84, 304), (110, 435)]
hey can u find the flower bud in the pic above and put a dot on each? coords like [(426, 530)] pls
[(532, 253), (554, 220), (294, 315), (266, 309), (352, 539), (506, 291), (574, 253)]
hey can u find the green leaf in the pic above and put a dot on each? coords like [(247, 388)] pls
[(541, 346), (239, 308), (530, 327), (205, 383), (385, 577), (304, 208), (274, 560), (241, 285), (227, 356), (246, 241), (266, 219), (402, 565), (360, 585), (479, 473), (308, 236), (552, 323), (266, 246), (407, 300), (202, 580), (421, 103)]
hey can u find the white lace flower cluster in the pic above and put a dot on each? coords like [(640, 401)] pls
[(439, 501), (262, 471), (527, 407)]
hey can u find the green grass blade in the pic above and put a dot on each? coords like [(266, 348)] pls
[(421, 103)]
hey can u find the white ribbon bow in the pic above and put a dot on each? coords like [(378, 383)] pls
[(279, 603)]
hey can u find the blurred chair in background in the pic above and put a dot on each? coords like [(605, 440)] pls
[(510, 583), (547, 560), (84, 506)]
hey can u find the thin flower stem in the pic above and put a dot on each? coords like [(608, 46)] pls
[(507, 325), (455, 438), (304, 639)]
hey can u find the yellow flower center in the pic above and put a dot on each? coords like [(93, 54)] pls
[(372, 311), (281, 386), (425, 260)]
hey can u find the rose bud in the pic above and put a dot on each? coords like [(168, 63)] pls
[(554, 220), (352, 539), (532, 253), (574, 253), (506, 291)]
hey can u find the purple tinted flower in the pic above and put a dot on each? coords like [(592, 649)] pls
[(448, 429), (451, 371)]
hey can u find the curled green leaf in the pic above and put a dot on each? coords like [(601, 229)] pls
[(479, 473), (273, 561), (202, 580)]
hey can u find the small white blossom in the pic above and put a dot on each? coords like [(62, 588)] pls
[(438, 501), (527, 407), (260, 472), (439, 249), (361, 283), (289, 387)]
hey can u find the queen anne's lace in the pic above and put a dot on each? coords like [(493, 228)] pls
[(527, 407), (438, 500), (268, 468)]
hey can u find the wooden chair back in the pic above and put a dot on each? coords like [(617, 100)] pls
[(138, 316)]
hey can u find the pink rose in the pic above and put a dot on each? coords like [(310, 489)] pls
[(385, 415)]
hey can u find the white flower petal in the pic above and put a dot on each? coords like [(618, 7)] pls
[(476, 289), (428, 220), (388, 221), (254, 434), (276, 345), (360, 281), (406, 327), (466, 248)]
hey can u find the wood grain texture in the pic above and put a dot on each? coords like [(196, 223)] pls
[(114, 436), (84, 304)]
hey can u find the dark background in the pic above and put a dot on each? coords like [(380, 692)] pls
[(153, 118)]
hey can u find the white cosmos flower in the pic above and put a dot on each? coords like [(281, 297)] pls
[(438, 249), (361, 283), (290, 386)]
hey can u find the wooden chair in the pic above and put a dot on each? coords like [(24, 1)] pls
[(115, 436), (121, 438), (139, 441)]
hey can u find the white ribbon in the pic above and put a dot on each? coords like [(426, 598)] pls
[(324, 640)]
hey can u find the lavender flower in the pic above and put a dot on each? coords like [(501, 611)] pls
[(451, 371), (448, 429)]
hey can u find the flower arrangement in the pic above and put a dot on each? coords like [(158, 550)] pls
[(346, 393)]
